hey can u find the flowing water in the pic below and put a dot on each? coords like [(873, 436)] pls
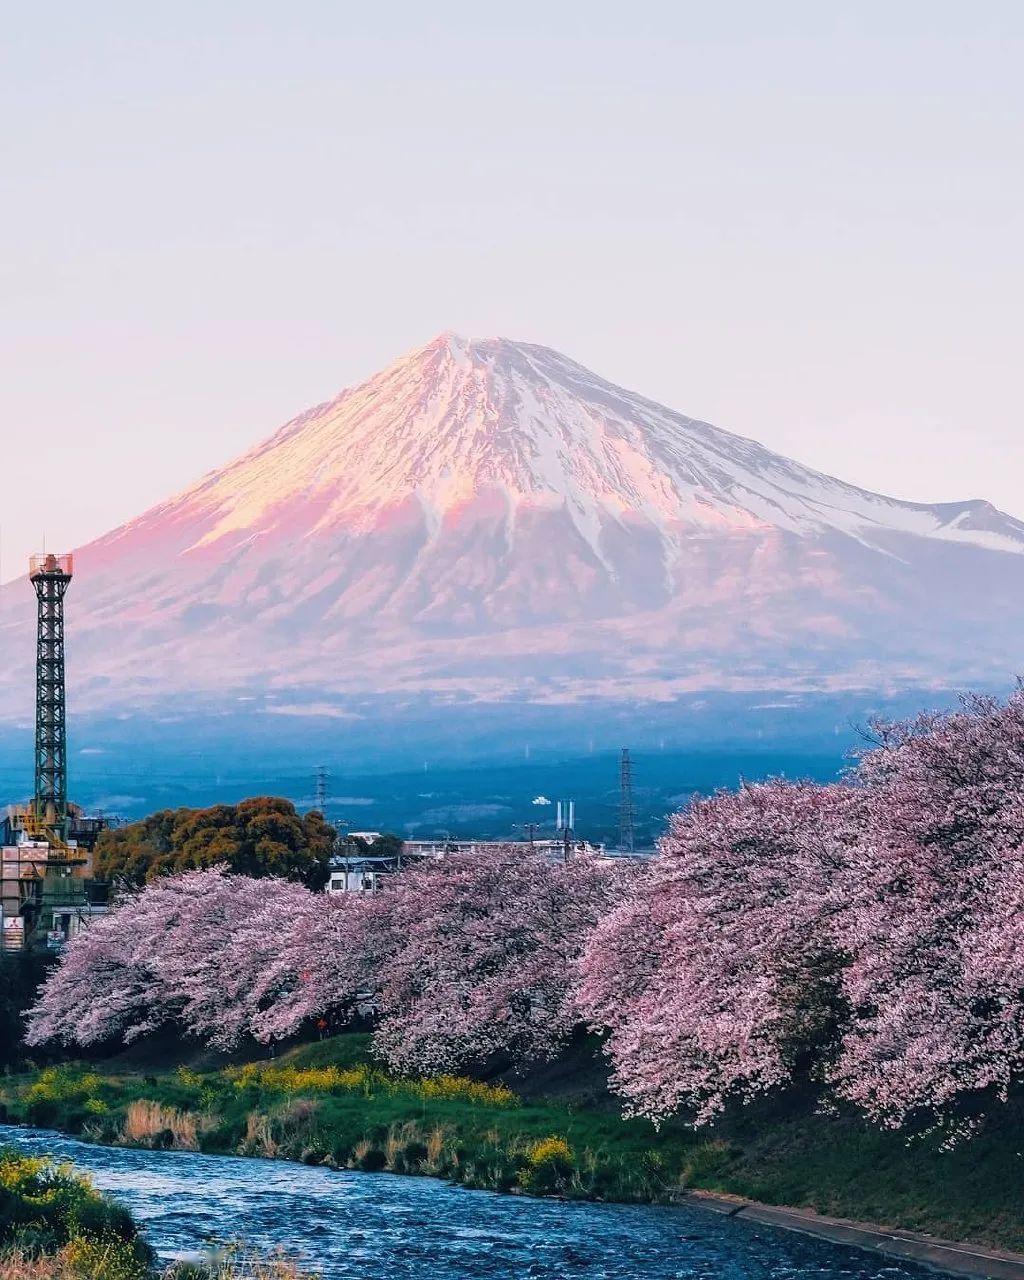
[(374, 1226)]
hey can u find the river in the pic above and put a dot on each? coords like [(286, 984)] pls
[(377, 1226)]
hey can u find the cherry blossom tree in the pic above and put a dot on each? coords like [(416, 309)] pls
[(157, 957), (476, 955), (934, 923), (867, 935), (308, 963), (104, 987), (459, 959), (720, 977)]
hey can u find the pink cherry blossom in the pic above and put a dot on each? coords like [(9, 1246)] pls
[(933, 926), (720, 977), (478, 956)]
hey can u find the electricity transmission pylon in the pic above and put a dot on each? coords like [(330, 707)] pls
[(626, 810)]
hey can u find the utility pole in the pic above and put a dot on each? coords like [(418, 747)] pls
[(565, 821), (530, 828), (626, 811)]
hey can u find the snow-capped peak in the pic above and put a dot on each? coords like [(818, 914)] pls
[(488, 518), (461, 418)]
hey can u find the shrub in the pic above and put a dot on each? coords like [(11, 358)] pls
[(369, 1082), (369, 1158), (549, 1166), (58, 1092), (107, 1259), (45, 1208), (152, 1124)]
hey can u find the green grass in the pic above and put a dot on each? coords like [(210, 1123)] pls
[(557, 1132)]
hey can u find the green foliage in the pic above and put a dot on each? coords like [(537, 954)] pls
[(62, 1084), (106, 1258), (386, 845), (263, 836), (20, 977), (63, 1097), (549, 1166), (368, 1081), (785, 1151), (46, 1208)]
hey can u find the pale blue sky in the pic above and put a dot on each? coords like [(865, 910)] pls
[(800, 221)]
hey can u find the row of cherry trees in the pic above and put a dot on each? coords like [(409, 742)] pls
[(455, 961), (867, 936)]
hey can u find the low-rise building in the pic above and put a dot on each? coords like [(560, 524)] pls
[(360, 870), (47, 891)]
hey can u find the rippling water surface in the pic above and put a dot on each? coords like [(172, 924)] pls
[(379, 1225)]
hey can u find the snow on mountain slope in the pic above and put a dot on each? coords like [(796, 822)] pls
[(489, 517), (457, 417)]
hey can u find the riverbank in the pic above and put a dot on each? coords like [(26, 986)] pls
[(553, 1133), (55, 1225), (946, 1256), (77, 1264)]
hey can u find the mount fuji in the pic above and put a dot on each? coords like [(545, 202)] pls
[(487, 519)]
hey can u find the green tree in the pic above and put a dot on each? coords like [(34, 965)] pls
[(386, 845), (264, 836), (20, 977)]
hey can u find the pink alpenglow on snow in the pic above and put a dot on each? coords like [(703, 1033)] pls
[(491, 516)]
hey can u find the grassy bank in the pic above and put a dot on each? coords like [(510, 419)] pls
[(556, 1132), (54, 1225), (49, 1216), (74, 1263)]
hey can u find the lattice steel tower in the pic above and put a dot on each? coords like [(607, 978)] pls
[(626, 811), (50, 575), (320, 793)]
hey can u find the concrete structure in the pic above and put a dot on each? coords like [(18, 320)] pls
[(361, 871), (554, 850), (949, 1257), (47, 893)]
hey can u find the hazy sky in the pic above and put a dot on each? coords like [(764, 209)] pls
[(802, 222)]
